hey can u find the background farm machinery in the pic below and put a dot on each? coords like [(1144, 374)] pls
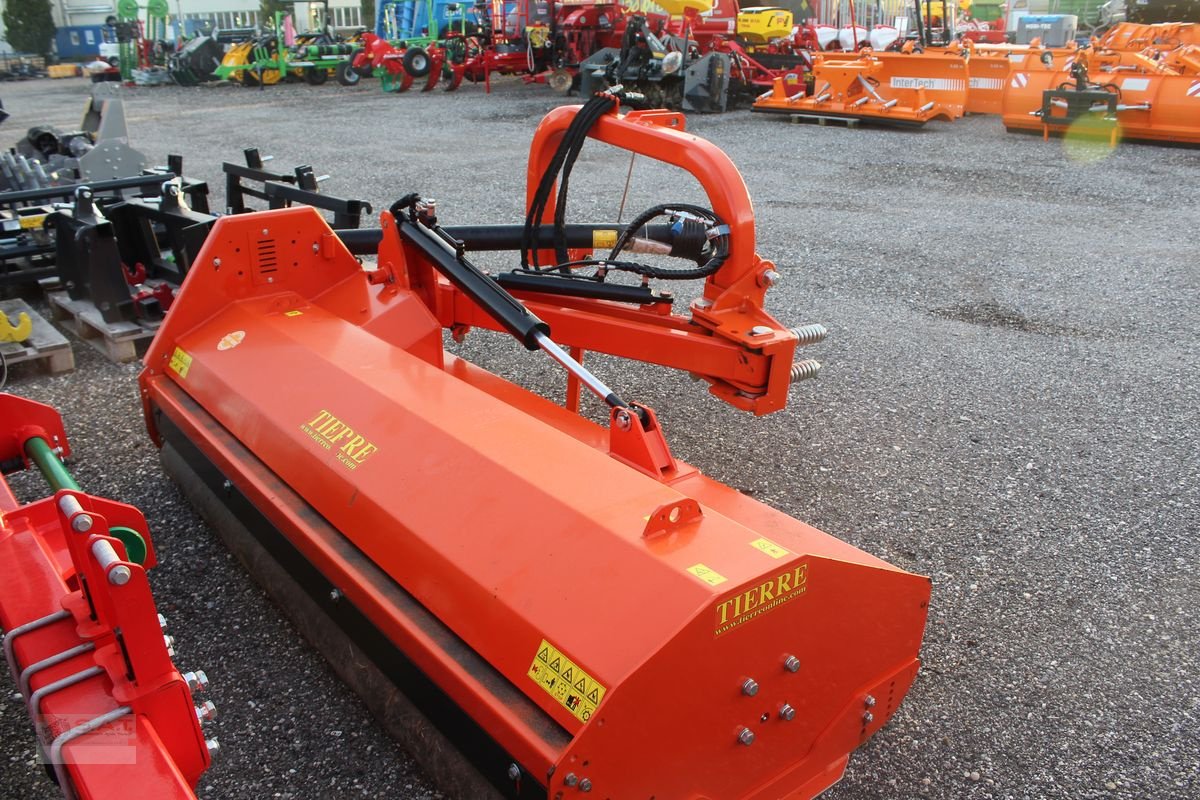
[(555, 43), (279, 55)]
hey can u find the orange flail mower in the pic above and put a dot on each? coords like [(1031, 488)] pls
[(563, 605)]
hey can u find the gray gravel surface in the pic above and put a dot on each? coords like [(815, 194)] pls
[(1009, 405)]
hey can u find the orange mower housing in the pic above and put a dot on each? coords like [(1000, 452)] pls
[(571, 606)]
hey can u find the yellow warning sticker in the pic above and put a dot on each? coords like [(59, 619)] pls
[(770, 548), (603, 239), (707, 574), (292, 313), (565, 681), (181, 362)]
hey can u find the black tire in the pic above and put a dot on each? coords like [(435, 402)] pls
[(347, 75), (316, 75), (416, 62)]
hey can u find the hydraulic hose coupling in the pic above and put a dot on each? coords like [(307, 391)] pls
[(809, 334)]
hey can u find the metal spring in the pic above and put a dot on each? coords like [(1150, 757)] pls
[(809, 334), (804, 370)]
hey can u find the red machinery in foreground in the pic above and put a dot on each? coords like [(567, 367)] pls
[(83, 641), (570, 606)]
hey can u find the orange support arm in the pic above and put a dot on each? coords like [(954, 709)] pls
[(729, 340)]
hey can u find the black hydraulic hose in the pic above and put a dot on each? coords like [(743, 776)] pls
[(568, 151), (571, 143), (718, 234)]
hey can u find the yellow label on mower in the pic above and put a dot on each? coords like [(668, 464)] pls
[(334, 435), (604, 240), (563, 679), (707, 574), (750, 604), (181, 362), (33, 221), (770, 548)]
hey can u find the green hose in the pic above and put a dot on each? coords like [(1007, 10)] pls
[(52, 469), (56, 474)]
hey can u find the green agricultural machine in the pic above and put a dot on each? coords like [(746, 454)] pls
[(268, 60)]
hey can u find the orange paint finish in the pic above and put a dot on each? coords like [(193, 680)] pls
[(896, 88), (515, 522), (1158, 97)]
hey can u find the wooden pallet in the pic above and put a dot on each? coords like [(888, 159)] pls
[(45, 344), (822, 120), (119, 341)]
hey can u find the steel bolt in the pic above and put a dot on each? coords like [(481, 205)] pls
[(70, 507), (787, 713), (869, 701), (162, 622), (216, 262), (868, 717), (335, 595), (196, 681), (571, 779), (585, 785), (745, 736), (119, 575), (514, 772), (206, 711), (623, 421), (316, 247), (750, 687), (169, 641), (771, 277), (759, 330), (791, 664), (214, 747), (227, 485)]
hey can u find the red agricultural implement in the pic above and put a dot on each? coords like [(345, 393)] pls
[(543, 42), (114, 717), (568, 604)]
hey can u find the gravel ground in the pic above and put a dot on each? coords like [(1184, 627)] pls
[(1009, 405)]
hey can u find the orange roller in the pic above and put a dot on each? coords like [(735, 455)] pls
[(889, 88), (1129, 95), (988, 68), (1162, 36)]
